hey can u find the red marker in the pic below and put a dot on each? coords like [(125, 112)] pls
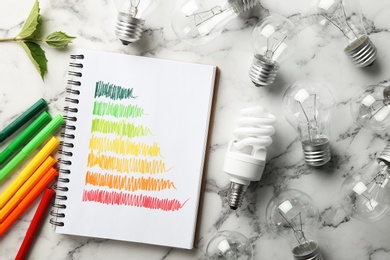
[(35, 223)]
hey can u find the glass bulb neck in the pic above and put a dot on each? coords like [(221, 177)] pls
[(307, 251), (316, 153), (263, 71), (362, 51), (236, 194), (128, 28)]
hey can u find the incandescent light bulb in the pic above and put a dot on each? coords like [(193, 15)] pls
[(293, 216), (229, 245), (274, 39), (131, 21), (307, 106), (246, 154), (371, 109), (366, 195), (198, 21), (346, 15)]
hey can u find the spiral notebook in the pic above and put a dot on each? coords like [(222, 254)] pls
[(131, 164)]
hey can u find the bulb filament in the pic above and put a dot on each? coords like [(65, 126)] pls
[(385, 102), (273, 44), (296, 227), (339, 15), (204, 16), (378, 182), (133, 9), (310, 126)]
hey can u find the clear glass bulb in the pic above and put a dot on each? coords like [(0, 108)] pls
[(229, 245), (293, 216), (347, 17), (371, 109), (246, 154), (198, 22), (366, 195), (131, 18), (274, 40), (308, 106)]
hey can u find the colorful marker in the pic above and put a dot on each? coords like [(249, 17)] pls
[(31, 146), (29, 170), (22, 119), (35, 223), (24, 136), (25, 188), (27, 201)]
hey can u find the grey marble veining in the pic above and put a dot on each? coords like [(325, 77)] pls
[(319, 55)]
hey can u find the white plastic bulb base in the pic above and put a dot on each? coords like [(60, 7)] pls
[(263, 72), (243, 168), (318, 153), (128, 29), (308, 251), (362, 51)]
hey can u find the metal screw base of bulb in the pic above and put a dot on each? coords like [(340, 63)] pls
[(313, 254), (385, 154), (362, 52), (236, 194), (262, 72), (316, 154), (128, 29), (246, 5)]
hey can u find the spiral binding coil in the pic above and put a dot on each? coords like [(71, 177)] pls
[(67, 144)]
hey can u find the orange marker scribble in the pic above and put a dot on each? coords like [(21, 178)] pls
[(127, 183), (123, 147), (126, 165), (128, 199)]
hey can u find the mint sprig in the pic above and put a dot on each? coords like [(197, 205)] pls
[(28, 40)]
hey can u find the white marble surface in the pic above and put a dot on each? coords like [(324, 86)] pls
[(319, 56)]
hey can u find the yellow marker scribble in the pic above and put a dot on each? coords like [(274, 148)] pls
[(126, 165), (127, 183), (123, 147)]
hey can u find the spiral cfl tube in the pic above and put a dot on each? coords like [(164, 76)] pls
[(246, 154)]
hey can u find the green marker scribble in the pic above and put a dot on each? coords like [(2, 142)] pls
[(117, 110), (112, 91)]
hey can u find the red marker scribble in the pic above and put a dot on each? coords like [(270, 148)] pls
[(128, 199)]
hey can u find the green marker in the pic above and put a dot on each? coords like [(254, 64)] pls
[(22, 119), (24, 136), (31, 146)]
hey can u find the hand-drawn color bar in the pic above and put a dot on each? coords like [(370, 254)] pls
[(128, 199), (126, 165), (127, 183)]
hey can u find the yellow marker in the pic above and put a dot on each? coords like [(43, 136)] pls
[(28, 170), (26, 187)]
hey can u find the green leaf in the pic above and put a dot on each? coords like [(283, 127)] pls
[(58, 39), (30, 25), (36, 55)]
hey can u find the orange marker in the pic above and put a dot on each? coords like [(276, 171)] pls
[(26, 187), (27, 201)]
